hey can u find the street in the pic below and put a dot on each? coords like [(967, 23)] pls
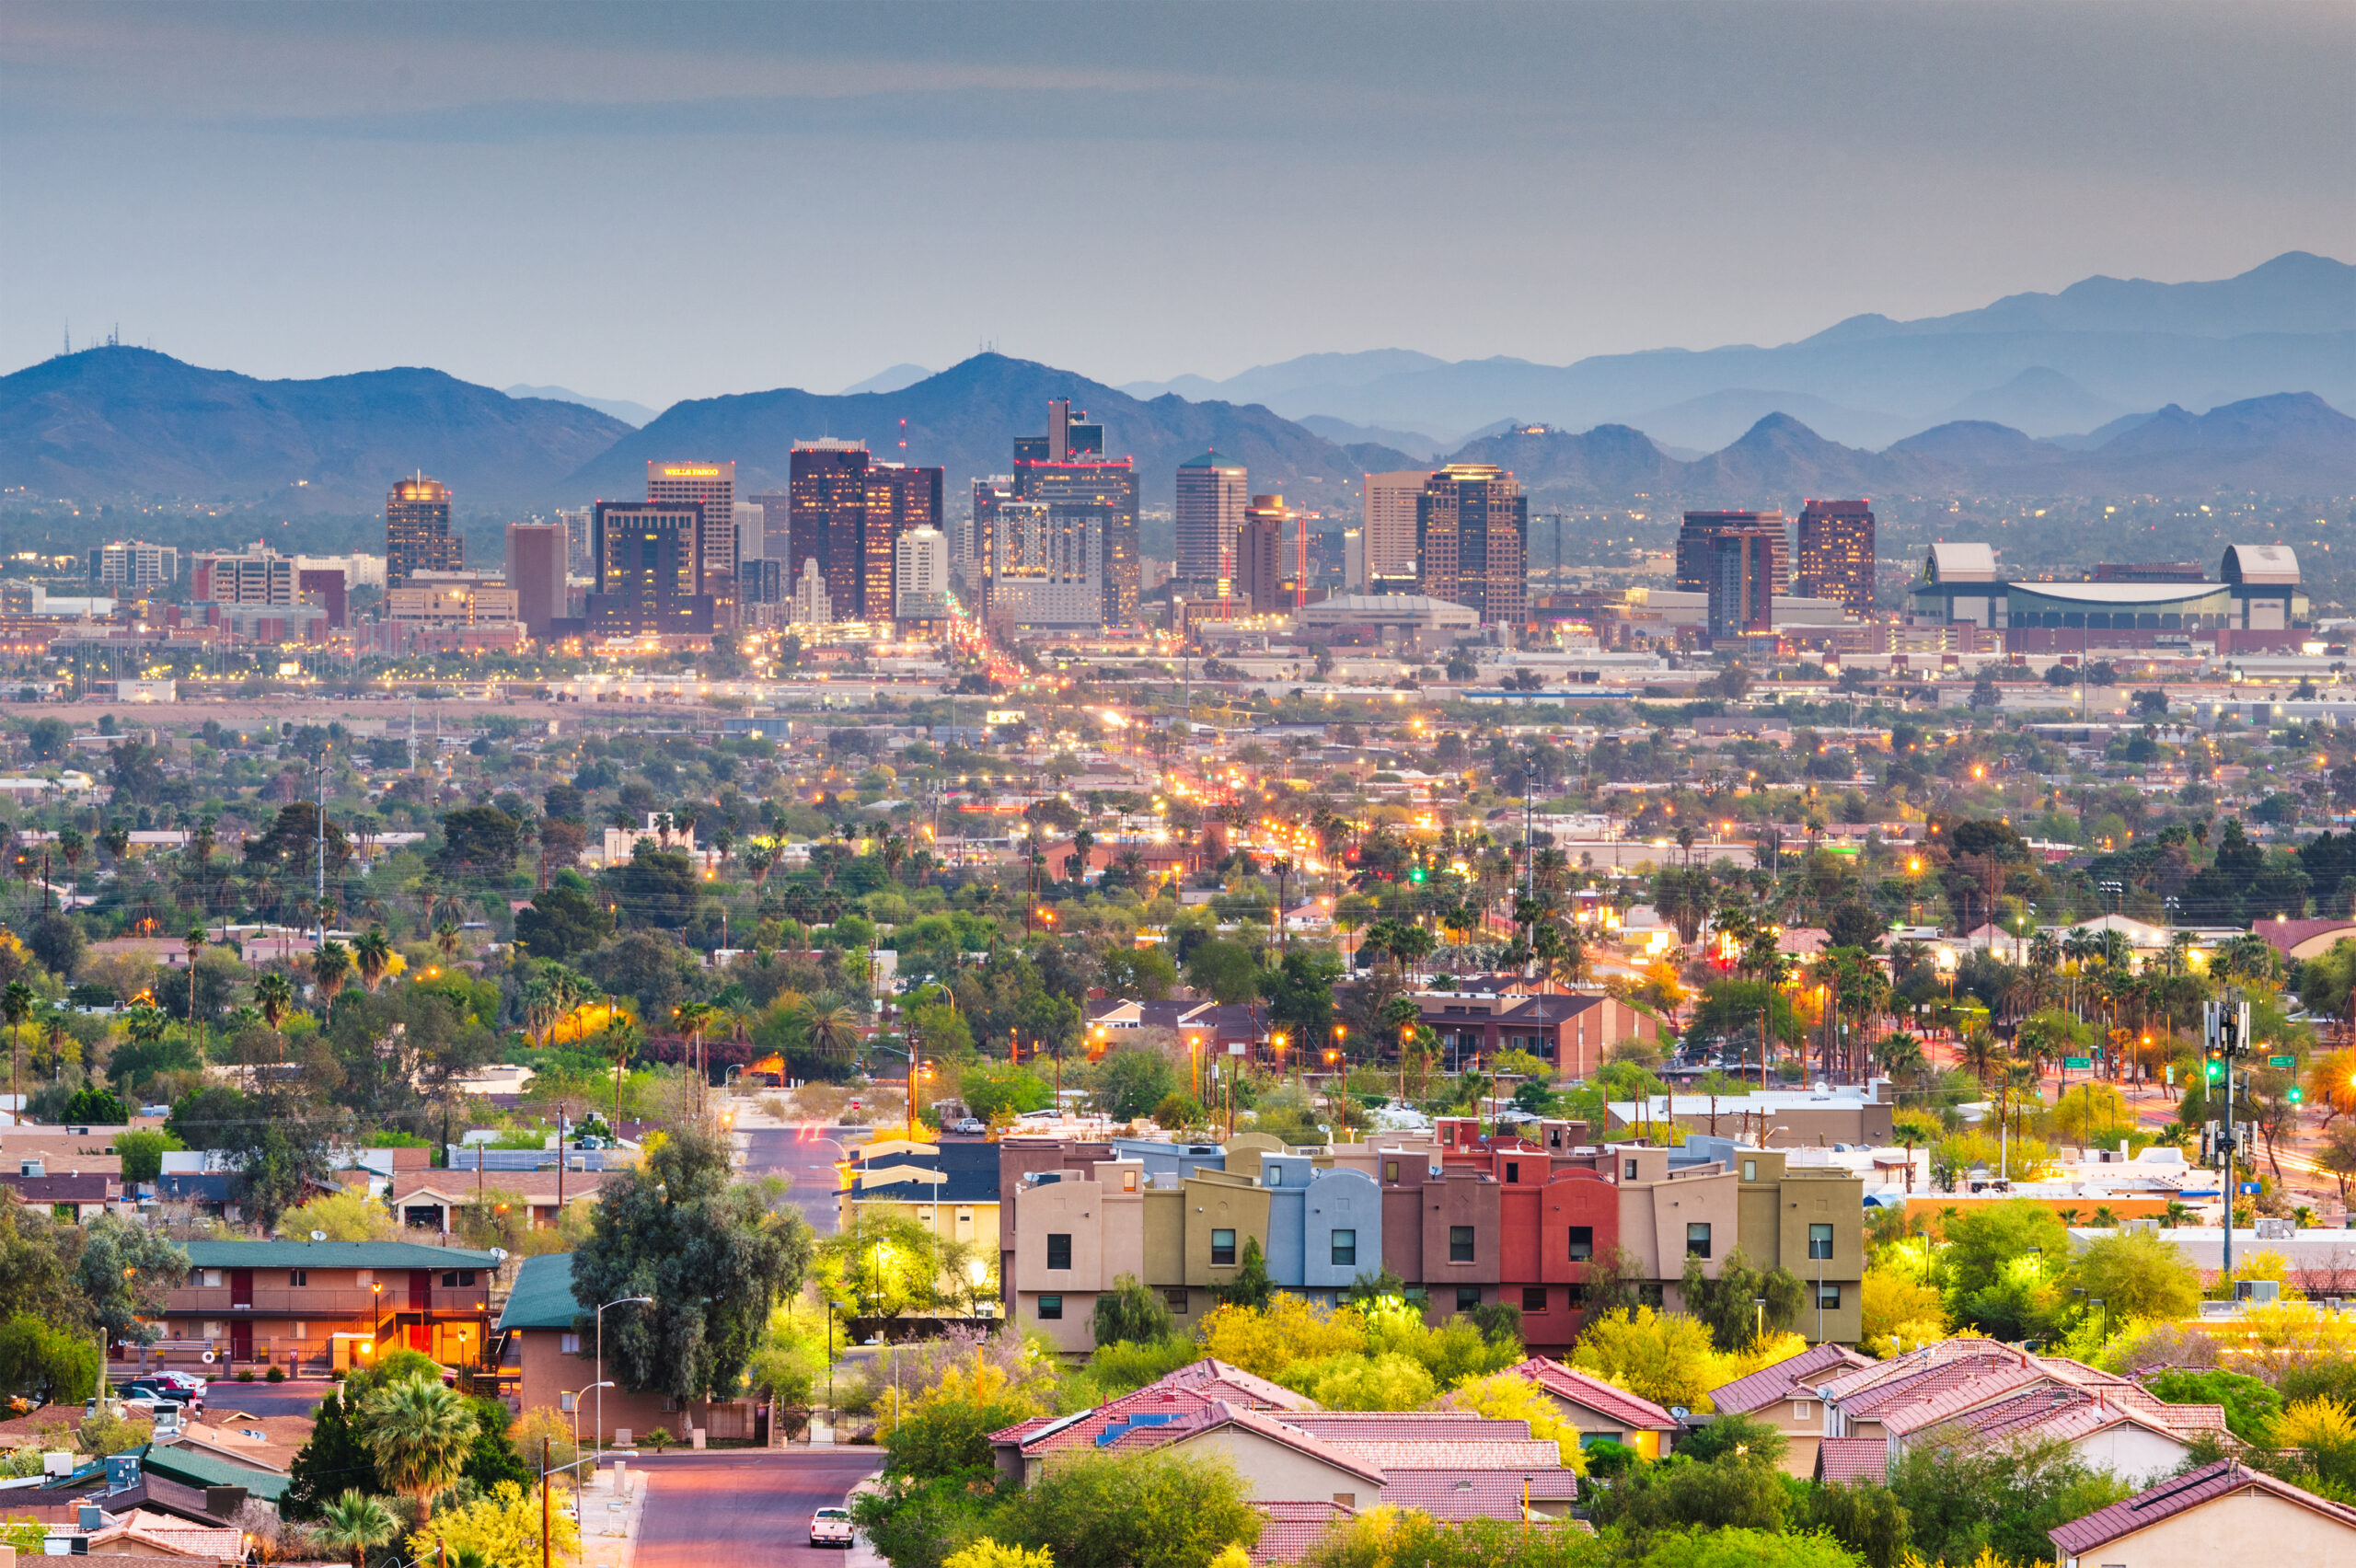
[(749, 1508), (807, 1154)]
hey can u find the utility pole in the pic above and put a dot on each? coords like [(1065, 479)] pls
[(2227, 1028), (321, 807)]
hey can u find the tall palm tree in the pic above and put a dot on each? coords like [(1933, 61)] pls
[(356, 1523), (373, 953), (194, 943), (446, 937), (832, 1032), (331, 966), (15, 1006), (275, 995), (419, 1432)]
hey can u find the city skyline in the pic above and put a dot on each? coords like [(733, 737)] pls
[(1977, 152)]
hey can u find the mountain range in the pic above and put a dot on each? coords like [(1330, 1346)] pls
[(2049, 364)]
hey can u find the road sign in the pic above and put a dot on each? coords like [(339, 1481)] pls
[(2282, 1061), (2249, 1189), (2077, 1064)]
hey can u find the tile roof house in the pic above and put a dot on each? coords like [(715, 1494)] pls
[(1600, 1410), (1784, 1396), (2220, 1513), (1293, 1527)]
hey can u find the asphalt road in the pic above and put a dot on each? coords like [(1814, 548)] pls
[(300, 1397), (748, 1508), (807, 1154)]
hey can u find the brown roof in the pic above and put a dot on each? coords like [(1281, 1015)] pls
[(1293, 1527), (2180, 1494), (1839, 1459), (1794, 1377), (1604, 1399)]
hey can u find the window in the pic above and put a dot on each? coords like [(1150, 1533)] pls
[(1177, 1300), (1459, 1243), (1589, 1440), (1276, 1175), (568, 1343), (1828, 1296), (214, 1328), (297, 1278), (1345, 1249), (363, 1278), (1467, 1298), (1803, 1409), (1058, 1250), (1649, 1293), (456, 1279), (1222, 1248), (1391, 1170), (210, 1279), (565, 1398), (1051, 1308), (1750, 1170), (1347, 1499), (1513, 1171), (1627, 1170), (1418, 1295), (1697, 1241), (1582, 1243), (298, 1330), (1533, 1299), (1578, 1299), (1820, 1241)]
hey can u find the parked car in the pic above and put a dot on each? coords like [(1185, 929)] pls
[(973, 1126), (156, 1386), (831, 1526)]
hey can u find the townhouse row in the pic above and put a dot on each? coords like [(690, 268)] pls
[(1464, 1220)]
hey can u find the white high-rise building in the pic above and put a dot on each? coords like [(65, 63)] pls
[(811, 606), (580, 541), (921, 576), (1387, 533)]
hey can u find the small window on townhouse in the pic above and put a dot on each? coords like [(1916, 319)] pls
[(363, 1278), (1649, 1293), (568, 1343), (1803, 1409), (209, 1279), (1176, 1298), (565, 1398), (298, 1330), (1513, 1171), (1051, 1308), (1750, 1170), (1276, 1175), (1820, 1241), (1697, 1241), (1576, 1299), (1059, 1250), (1391, 1170), (1417, 1297), (1345, 1249), (1459, 1243), (1222, 1248), (1467, 1298), (1128, 1184), (214, 1328), (1582, 1243), (1627, 1170), (297, 1278), (1828, 1296), (457, 1279), (1533, 1299)]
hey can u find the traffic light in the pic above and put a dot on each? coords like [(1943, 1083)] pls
[(1417, 873), (2216, 1069), (2297, 1094)]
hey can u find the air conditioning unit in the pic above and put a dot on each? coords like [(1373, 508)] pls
[(2257, 1290)]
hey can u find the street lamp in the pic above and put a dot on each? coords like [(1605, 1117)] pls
[(601, 1384)]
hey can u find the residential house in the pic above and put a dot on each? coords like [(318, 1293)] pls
[(433, 1200), (950, 1189), (2219, 1512), (74, 1199), (320, 1306), (1803, 1217), (1568, 1029), (547, 1343), (1603, 1412), (1784, 1396)]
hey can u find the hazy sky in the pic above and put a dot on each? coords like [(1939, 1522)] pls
[(663, 202)]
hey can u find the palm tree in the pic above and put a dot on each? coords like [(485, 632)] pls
[(16, 1006), (356, 1523), (194, 942), (419, 1432), (331, 966), (275, 995), (446, 937), (373, 953), (831, 1031)]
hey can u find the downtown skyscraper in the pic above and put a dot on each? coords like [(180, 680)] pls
[(417, 530), (1212, 495), (711, 486), (1470, 523), (846, 513)]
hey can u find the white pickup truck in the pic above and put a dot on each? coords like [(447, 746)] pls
[(831, 1526)]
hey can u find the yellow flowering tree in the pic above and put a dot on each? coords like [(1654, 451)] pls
[(502, 1528), (1509, 1396), (1663, 1357), (984, 1552)]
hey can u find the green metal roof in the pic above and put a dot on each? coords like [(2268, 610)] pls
[(543, 1295), (1213, 460), (192, 1469), (332, 1255)]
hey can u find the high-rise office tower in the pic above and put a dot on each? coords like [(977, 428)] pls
[(900, 499), (1471, 522), (976, 555), (417, 530), (1087, 491), (1386, 529), (1259, 555), (536, 553), (828, 490), (1836, 553), (1693, 545), (921, 576), (1066, 438), (713, 486), (752, 531), (1741, 568), (650, 571), (1047, 564), (1211, 496), (129, 567), (580, 541)]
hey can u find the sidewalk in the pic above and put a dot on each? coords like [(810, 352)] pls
[(609, 1517)]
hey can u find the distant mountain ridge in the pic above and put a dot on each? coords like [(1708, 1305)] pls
[(622, 408), (2103, 343)]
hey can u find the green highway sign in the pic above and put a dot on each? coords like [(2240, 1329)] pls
[(2282, 1061), (2074, 1064)]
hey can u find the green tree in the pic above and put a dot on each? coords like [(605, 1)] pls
[(947, 1430), (1728, 1303), (1227, 971), (479, 841), (1130, 1311), (1999, 1262), (421, 1433), (2251, 1403), (678, 1228), (45, 1364), (125, 1272), (656, 886), (2136, 1273), (357, 1523), (276, 1139), (1299, 989), (1964, 1498), (1164, 1508), (143, 1153), (563, 922), (1130, 1083), (1743, 1548), (332, 1461), (1252, 1284)]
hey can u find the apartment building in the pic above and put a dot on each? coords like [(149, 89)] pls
[(1464, 1221), (1569, 1029), (327, 1305), (950, 1189)]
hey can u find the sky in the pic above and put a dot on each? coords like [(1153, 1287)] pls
[(665, 201)]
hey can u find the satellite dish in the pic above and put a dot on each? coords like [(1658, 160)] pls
[(319, 1235), (499, 1254), (1680, 1411)]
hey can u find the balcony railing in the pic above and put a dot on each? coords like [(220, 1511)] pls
[(320, 1302)]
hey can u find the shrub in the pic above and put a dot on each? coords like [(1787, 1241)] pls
[(1160, 1509), (277, 1373)]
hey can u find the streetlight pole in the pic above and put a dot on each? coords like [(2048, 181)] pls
[(601, 1385), (547, 1471)]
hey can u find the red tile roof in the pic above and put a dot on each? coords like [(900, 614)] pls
[(1476, 1493), (2179, 1495), (1839, 1459), (1293, 1527), (1595, 1394), (1794, 1377)]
